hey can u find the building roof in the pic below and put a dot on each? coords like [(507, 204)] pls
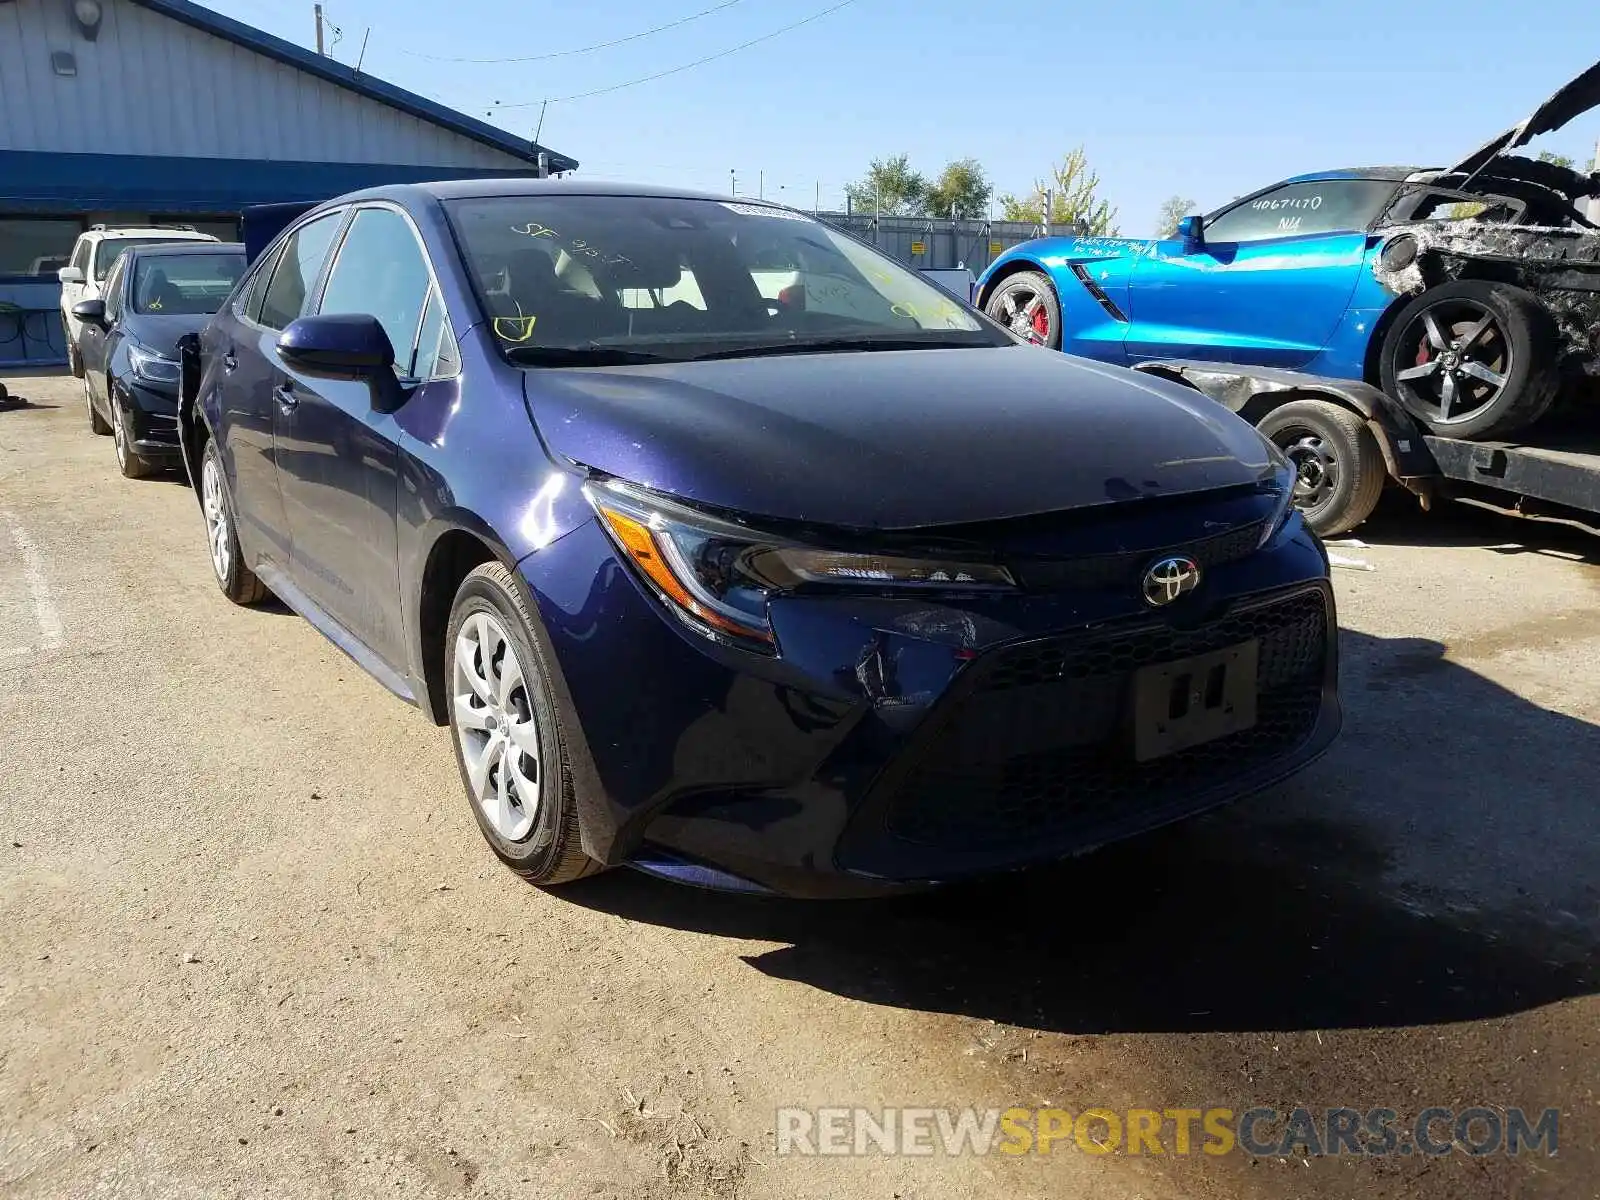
[(344, 76)]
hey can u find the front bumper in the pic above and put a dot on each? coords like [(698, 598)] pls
[(901, 743), (150, 414)]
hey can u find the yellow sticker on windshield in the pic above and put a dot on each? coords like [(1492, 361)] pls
[(514, 329), (908, 311), (155, 306)]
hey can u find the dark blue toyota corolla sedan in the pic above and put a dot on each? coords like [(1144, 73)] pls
[(734, 551)]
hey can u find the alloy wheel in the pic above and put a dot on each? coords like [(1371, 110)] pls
[(119, 439), (1024, 312), (496, 728), (1460, 360), (216, 511)]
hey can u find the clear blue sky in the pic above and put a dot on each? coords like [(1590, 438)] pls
[(1166, 99)]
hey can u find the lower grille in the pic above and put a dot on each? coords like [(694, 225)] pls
[(1036, 744)]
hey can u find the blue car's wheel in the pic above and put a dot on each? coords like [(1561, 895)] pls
[(1472, 359), (1026, 304)]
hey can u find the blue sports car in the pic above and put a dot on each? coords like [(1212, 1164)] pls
[(1465, 294), (684, 513)]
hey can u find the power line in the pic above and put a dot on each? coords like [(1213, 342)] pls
[(632, 37), (699, 62)]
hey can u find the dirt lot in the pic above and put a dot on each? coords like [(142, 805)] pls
[(251, 943)]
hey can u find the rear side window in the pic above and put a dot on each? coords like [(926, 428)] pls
[(80, 255), (1297, 209), (299, 264), (113, 297), (380, 271)]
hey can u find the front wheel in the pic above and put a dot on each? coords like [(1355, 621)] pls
[(1026, 303), (508, 740), (130, 462), (1339, 471), (1472, 359)]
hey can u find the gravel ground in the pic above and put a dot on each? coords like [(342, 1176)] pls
[(251, 943)]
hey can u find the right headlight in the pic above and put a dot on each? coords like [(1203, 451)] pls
[(1282, 489), (718, 576), (147, 364)]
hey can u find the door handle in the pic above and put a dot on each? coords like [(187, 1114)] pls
[(286, 398)]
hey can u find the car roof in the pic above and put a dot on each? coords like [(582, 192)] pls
[(169, 249), (166, 231), (1389, 174), (465, 189)]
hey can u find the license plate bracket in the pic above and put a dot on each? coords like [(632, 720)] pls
[(1194, 700)]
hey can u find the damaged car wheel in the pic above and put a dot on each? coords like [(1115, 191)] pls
[(1472, 359)]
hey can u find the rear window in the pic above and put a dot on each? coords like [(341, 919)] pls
[(111, 249), (184, 284)]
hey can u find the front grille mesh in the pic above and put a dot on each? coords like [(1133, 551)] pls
[(1038, 746), (1121, 571)]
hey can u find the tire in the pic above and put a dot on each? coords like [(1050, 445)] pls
[(130, 462), (97, 423), (1472, 359), (490, 621), (1340, 468), (1026, 303), (237, 581)]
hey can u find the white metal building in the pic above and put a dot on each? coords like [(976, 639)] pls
[(133, 111)]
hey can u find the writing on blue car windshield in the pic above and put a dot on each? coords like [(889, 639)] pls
[(581, 279), (185, 284)]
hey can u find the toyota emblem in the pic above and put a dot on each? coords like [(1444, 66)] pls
[(1170, 578)]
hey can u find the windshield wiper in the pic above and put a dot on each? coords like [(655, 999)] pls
[(583, 356), (843, 345)]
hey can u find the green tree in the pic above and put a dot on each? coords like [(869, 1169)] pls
[(962, 190), (890, 187), (1174, 210), (1560, 160), (1075, 186)]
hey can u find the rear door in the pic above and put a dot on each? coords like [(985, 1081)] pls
[(247, 363), (1270, 284), (71, 293), (337, 458)]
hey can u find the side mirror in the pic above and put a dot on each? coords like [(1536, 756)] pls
[(90, 312), (1192, 231), (70, 275), (344, 346)]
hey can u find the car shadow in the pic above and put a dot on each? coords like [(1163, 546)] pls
[(1306, 907), (1398, 521)]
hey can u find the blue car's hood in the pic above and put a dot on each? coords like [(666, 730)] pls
[(895, 440)]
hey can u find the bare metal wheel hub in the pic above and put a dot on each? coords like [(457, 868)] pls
[(216, 512), (1315, 465), (496, 728), (119, 438)]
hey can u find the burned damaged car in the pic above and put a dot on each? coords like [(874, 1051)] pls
[(1470, 294)]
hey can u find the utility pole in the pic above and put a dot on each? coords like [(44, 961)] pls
[(761, 184), (317, 9), (816, 204), (1049, 208), (1594, 201), (733, 182)]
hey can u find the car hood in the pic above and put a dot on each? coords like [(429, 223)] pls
[(160, 333), (1568, 104), (895, 439)]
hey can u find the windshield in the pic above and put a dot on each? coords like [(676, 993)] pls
[(184, 284), (108, 251), (575, 279)]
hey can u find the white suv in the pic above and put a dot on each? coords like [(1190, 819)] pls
[(93, 256)]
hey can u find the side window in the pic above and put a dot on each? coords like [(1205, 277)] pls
[(1296, 209), (380, 271), (80, 255), (297, 269), (113, 294), (436, 357), (247, 298)]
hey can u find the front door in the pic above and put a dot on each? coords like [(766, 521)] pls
[(337, 458), (1268, 286)]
